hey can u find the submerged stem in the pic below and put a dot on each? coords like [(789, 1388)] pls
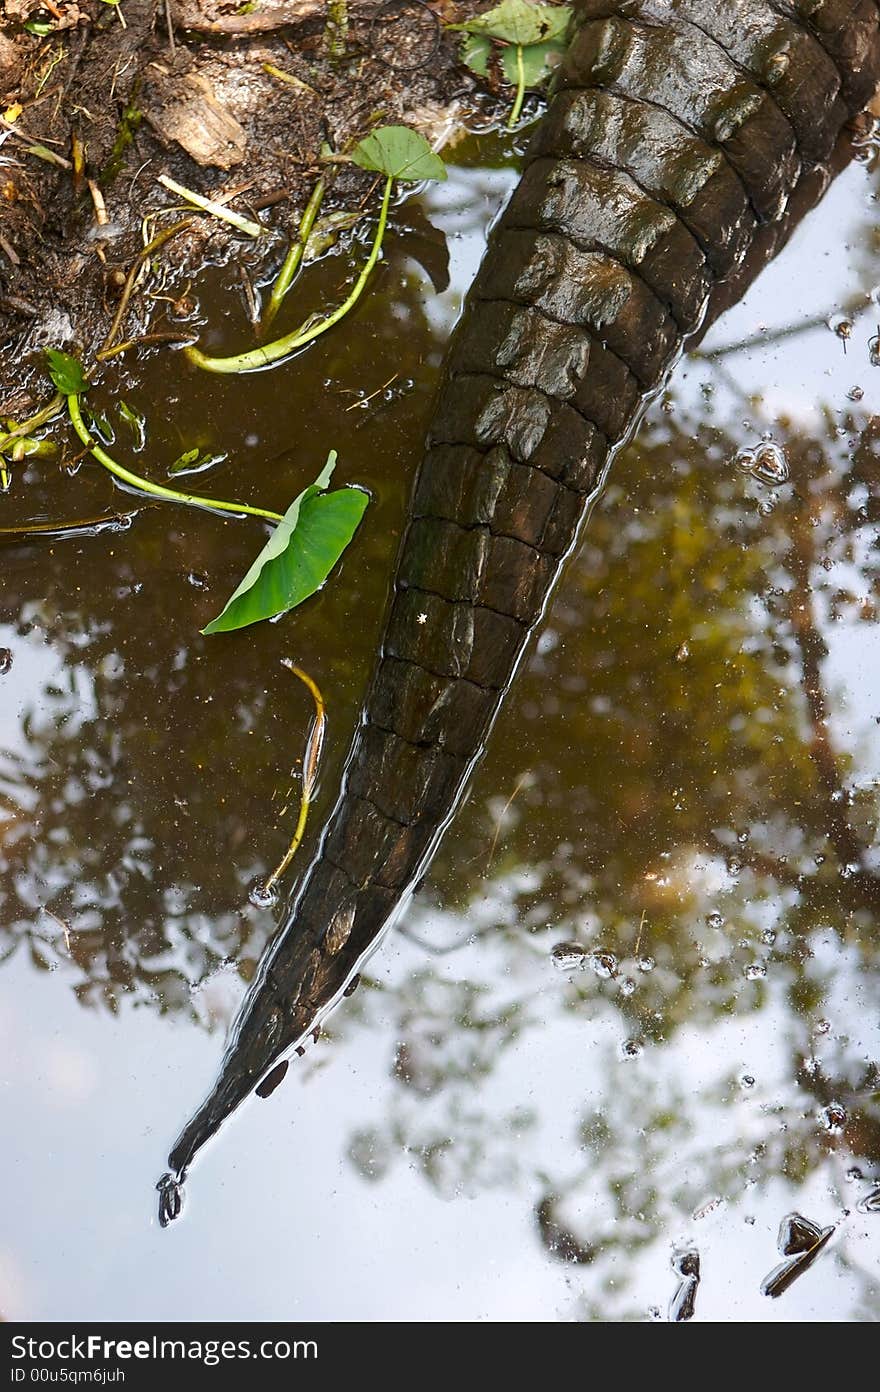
[(27, 427), (520, 89), (295, 254), (310, 771), (156, 490), (283, 347)]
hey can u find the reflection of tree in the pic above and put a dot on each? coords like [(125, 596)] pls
[(148, 780), (699, 818)]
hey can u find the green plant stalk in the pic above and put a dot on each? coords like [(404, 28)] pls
[(520, 89), (283, 347), (155, 490), (295, 255), (310, 772)]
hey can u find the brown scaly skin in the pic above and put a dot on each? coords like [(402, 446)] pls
[(684, 141)]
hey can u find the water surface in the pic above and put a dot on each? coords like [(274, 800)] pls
[(682, 788)]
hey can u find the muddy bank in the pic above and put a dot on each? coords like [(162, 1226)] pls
[(240, 105)]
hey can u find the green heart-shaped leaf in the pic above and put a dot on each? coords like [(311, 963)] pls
[(66, 372), (538, 62), (519, 22), (299, 555), (399, 153), (475, 50)]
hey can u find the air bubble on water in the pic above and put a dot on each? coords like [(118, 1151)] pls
[(766, 507), (855, 394), (833, 1118), (755, 971), (262, 895), (768, 937), (627, 986), (604, 964), (631, 1049), (853, 1174), (646, 964), (197, 579), (734, 865), (6, 660), (568, 955), (715, 919), (870, 1203), (747, 1081), (822, 1027), (874, 350)]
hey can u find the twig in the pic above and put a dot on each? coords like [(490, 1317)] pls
[(505, 809), (208, 205), (289, 78), (364, 399), (117, 521), (153, 245), (172, 336), (99, 204)]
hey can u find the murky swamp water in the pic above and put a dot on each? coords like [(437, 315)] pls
[(632, 1013)]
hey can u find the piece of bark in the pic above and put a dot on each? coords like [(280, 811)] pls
[(186, 111), (225, 17)]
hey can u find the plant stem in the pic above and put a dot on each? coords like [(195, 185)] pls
[(520, 89), (156, 490), (295, 255), (283, 347), (27, 427), (310, 772)]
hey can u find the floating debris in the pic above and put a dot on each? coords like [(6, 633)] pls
[(604, 964), (833, 1118), (568, 956), (262, 895), (840, 325), (766, 462), (870, 1203), (687, 1265), (801, 1241)]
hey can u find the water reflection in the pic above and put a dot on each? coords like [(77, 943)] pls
[(630, 1023)]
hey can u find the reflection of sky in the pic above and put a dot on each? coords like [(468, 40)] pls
[(279, 1224), (818, 276)]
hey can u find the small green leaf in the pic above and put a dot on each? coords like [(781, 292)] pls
[(401, 154), (519, 22), (66, 372), (136, 423), (475, 50), (299, 555), (37, 27), (539, 61), (192, 461)]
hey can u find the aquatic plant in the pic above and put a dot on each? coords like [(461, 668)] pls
[(304, 547), (533, 37), (402, 156)]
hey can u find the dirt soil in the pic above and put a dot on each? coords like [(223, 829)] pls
[(234, 101)]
